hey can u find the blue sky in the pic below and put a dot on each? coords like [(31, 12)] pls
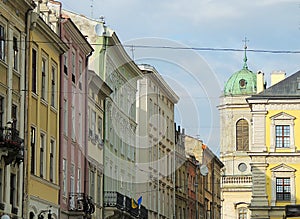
[(198, 77)]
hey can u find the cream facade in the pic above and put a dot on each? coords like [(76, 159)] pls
[(236, 136), (155, 168)]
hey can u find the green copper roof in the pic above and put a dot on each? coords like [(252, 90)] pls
[(242, 82)]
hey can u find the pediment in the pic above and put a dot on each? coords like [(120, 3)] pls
[(283, 168), (282, 116)]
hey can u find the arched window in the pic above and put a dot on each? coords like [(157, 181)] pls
[(242, 135), (31, 215)]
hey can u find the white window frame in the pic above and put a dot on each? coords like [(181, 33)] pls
[(78, 180), (282, 119), (44, 78), (283, 171), (43, 156), (52, 167), (3, 42), (64, 170)]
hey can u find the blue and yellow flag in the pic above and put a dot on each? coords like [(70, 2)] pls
[(133, 203), (140, 200)]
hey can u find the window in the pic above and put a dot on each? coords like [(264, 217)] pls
[(52, 162), (100, 127), (16, 53), (65, 116), (1, 185), (73, 68), (242, 213), (80, 75), (2, 43), (32, 154), (93, 122), (1, 110), (283, 189), (282, 132), (282, 136), (44, 81), (73, 123), (78, 180), (13, 189), (242, 135), (66, 63), (99, 189), (14, 112), (42, 155), (283, 184), (64, 172), (33, 69), (92, 184), (72, 180), (53, 86)]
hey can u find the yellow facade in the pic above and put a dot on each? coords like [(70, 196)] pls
[(288, 161), (275, 157), (43, 117)]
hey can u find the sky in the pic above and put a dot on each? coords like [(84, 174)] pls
[(188, 41)]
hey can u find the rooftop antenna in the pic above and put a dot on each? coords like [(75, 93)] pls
[(92, 8), (245, 57)]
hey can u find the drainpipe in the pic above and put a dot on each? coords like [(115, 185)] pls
[(86, 172), (25, 96)]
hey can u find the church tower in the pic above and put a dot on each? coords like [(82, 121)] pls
[(235, 142)]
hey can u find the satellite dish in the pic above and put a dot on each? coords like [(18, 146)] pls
[(5, 217), (203, 170), (99, 29)]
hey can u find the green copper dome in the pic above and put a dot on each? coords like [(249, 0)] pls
[(242, 82)]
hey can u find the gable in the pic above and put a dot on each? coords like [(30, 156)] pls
[(283, 168), (282, 116)]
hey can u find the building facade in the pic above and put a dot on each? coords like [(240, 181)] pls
[(274, 154), (98, 91), (13, 30), (42, 111), (181, 174), (74, 199), (111, 62), (156, 139), (207, 178)]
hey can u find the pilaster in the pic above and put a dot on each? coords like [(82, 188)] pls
[(259, 194)]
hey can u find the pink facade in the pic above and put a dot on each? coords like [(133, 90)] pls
[(73, 120)]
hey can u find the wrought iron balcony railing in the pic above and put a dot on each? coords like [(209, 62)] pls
[(12, 144), (124, 203), (81, 202)]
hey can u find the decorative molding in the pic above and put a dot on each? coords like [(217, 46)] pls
[(282, 119), (283, 170)]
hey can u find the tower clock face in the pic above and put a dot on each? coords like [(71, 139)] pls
[(242, 167)]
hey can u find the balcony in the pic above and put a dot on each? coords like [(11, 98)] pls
[(123, 203), (242, 181), (11, 144), (80, 202)]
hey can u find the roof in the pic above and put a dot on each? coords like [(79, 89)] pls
[(242, 82), (287, 88)]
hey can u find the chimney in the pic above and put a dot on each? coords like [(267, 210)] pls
[(277, 76), (260, 81)]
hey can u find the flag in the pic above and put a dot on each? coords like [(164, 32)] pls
[(133, 203), (140, 200)]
